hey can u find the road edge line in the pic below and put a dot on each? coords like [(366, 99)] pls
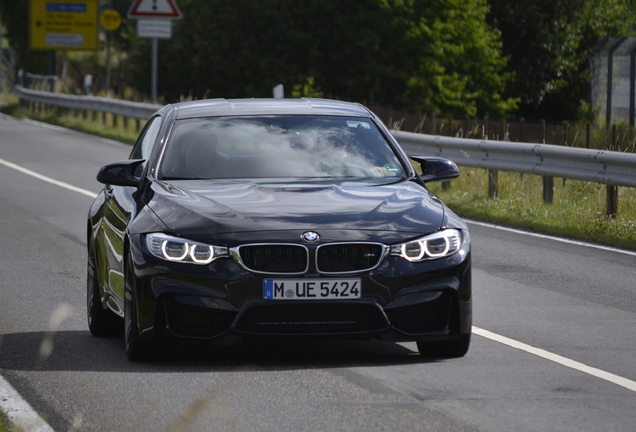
[(18, 411), (47, 179), (564, 361)]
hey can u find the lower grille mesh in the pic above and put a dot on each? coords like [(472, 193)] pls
[(324, 318), (427, 317), (194, 321)]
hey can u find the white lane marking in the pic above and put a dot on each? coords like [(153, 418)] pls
[(607, 376), (545, 236), (48, 179), (19, 411), (598, 373)]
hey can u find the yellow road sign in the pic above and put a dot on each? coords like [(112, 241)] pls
[(64, 24), (110, 19)]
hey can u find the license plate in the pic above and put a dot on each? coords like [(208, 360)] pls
[(308, 289)]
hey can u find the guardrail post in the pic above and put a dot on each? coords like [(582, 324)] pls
[(485, 129), (543, 130), (493, 183), (548, 189), (611, 190)]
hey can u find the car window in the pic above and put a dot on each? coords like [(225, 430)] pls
[(145, 143), (278, 146)]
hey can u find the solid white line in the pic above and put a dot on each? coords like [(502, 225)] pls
[(598, 373), (545, 236), (19, 411), (47, 179)]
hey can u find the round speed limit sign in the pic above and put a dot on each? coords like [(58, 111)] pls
[(110, 19)]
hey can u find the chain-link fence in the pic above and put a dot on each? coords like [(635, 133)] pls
[(613, 67)]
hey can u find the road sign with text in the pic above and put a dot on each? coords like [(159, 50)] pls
[(64, 24)]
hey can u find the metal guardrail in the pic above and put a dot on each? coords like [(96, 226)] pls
[(607, 167), (90, 103)]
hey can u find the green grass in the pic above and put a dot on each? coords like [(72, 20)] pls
[(6, 425), (577, 211)]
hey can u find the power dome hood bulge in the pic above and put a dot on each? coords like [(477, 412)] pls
[(215, 210)]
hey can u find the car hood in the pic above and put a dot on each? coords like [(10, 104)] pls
[(220, 209)]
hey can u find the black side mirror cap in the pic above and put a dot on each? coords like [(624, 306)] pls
[(120, 173), (435, 169)]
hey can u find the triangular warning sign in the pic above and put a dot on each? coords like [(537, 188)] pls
[(166, 9)]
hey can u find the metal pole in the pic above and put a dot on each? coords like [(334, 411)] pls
[(108, 37), (52, 70), (153, 73)]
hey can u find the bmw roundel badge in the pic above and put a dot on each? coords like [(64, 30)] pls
[(310, 236)]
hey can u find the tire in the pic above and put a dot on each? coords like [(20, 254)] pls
[(445, 349), (137, 349), (101, 322)]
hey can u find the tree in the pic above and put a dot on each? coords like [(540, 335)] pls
[(457, 65), (14, 17), (548, 43), (434, 55)]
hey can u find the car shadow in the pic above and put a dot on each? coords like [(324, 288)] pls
[(80, 351)]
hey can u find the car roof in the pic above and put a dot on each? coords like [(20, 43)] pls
[(240, 107)]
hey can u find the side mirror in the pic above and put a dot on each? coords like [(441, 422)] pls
[(436, 169), (120, 173)]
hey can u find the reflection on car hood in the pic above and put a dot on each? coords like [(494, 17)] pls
[(205, 208)]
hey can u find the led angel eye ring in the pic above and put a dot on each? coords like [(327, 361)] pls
[(170, 258)]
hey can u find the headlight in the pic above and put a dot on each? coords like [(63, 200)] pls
[(438, 245), (181, 250)]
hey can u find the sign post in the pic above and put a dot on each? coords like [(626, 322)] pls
[(154, 22), (110, 21)]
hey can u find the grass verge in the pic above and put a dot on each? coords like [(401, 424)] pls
[(6, 425), (577, 211), (105, 126)]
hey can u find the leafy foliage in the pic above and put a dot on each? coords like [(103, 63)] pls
[(548, 43), (461, 57), (437, 56)]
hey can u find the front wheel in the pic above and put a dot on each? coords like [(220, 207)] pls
[(445, 349)]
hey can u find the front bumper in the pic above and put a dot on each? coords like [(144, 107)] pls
[(223, 303)]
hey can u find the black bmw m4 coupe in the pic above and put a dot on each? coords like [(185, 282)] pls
[(276, 218)]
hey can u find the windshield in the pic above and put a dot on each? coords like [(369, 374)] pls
[(278, 147)]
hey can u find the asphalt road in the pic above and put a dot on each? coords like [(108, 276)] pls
[(554, 346)]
